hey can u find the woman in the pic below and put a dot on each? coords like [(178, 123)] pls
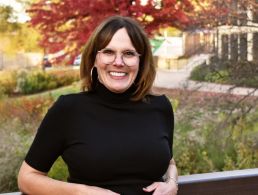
[(116, 138)]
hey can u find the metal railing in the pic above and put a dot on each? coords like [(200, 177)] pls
[(244, 182)]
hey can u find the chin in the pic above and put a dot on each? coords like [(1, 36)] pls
[(118, 89)]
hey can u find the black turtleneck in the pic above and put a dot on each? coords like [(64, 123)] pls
[(106, 139)]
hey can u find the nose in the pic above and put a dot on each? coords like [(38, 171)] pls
[(119, 60)]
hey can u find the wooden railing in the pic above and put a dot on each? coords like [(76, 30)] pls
[(244, 182), (238, 182)]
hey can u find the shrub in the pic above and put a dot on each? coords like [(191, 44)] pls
[(19, 119), (65, 77), (7, 82), (25, 110), (33, 82), (199, 72), (216, 140), (220, 76), (14, 140), (240, 73)]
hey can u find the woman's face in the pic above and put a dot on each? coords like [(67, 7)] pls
[(116, 75)]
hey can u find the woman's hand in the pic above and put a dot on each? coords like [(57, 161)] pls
[(162, 188), (89, 190)]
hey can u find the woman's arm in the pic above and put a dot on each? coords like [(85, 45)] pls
[(171, 174), (170, 186), (32, 181)]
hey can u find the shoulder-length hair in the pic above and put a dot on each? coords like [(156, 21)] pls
[(100, 38)]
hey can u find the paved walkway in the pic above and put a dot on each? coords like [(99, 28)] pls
[(179, 79)]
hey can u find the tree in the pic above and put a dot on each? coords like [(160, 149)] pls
[(6, 19), (15, 36), (66, 25)]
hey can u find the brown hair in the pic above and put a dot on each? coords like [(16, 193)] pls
[(101, 37)]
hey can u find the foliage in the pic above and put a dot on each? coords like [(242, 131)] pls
[(6, 17), (33, 82), (199, 72), (220, 76), (66, 25), (8, 83), (16, 36), (23, 39), (25, 110), (28, 82), (14, 144), (19, 119), (59, 170), (213, 13), (222, 135), (212, 132), (239, 73)]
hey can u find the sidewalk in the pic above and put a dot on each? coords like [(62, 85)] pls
[(179, 79)]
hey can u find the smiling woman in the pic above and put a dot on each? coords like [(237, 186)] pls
[(113, 70), (116, 136)]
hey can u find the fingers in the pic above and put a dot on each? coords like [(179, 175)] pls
[(161, 188), (151, 187)]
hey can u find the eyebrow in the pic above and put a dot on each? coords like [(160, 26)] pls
[(122, 50)]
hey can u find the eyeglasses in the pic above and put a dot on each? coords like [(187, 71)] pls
[(129, 57)]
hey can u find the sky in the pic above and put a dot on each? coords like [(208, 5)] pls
[(19, 9)]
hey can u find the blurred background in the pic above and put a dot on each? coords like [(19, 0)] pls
[(206, 55)]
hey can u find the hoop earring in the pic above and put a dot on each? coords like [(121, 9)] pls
[(92, 73)]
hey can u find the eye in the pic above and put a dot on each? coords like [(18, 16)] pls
[(129, 54), (109, 52)]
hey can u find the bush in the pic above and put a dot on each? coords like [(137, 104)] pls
[(38, 81), (217, 139), (29, 82), (199, 72), (240, 73), (20, 117), (8, 83), (220, 76), (15, 141), (65, 78), (33, 82)]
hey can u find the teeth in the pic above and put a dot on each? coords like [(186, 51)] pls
[(118, 74)]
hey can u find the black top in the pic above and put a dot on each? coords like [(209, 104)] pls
[(106, 139)]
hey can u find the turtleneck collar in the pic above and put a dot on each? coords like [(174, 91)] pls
[(108, 95)]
